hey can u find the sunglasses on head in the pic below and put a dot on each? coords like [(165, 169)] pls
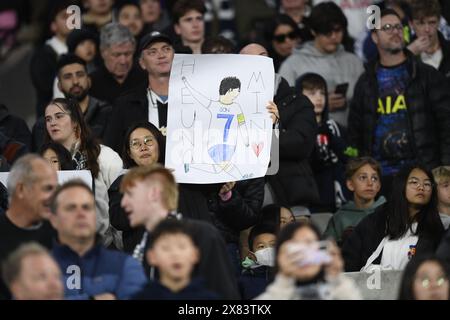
[(282, 37)]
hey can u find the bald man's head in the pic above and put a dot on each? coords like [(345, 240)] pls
[(254, 49)]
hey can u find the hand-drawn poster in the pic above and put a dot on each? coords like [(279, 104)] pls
[(218, 127)]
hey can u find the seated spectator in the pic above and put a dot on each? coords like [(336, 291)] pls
[(326, 56), (304, 272), (155, 18), (31, 273), (407, 226), (14, 127), (106, 274), (425, 278), (258, 267), (442, 179), (66, 125), (298, 11), (84, 44), (282, 36), (150, 195), (97, 14), (10, 151), (74, 83), (277, 215), (173, 252), (364, 180), (119, 73), (58, 156), (218, 44), (429, 44), (328, 157), (129, 15)]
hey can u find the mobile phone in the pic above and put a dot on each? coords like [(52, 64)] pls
[(341, 89), (312, 254)]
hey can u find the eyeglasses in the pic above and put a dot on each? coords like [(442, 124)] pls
[(366, 179), (426, 282), (389, 28), (136, 143), (415, 184), (58, 115), (280, 38)]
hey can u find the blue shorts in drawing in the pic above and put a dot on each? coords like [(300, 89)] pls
[(226, 115)]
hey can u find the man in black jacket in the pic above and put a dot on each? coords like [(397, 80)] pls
[(151, 195), (430, 44), (400, 111), (74, 82), (293, 184), (119, 74), (147, 102)]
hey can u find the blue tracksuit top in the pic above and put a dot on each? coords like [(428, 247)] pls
[(99, 271)]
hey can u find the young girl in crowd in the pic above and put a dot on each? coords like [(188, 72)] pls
[(305, 271), (58, 156), (408, 225), (425, 278), (65, 125)]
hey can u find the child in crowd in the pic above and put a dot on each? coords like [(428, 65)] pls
[(442, 179), (328, 158), (174, 253), (363, 179), (258, 271)]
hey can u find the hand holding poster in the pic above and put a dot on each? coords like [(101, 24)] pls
[(218, 128)]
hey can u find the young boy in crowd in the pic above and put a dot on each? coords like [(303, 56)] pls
[(363, 179), (328, 157), (174, 253), (442, 180), (258, 267)]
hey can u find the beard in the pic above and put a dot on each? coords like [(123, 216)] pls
[(79, 97)]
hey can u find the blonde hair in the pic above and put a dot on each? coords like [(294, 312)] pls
[(441, 174), (151, 174)]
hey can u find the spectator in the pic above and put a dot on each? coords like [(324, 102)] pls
[(217, 44), (14, 127), (282, 35), (65, 124), (277, 215), (98, 13), (258, 266), (425, 279), (328, 157), (150, 196), (442, 179), (149, 101), (84, 44), (326, 56), (155, 18), (74, 82), (118, 74), (189, 24), (31, 183), (304, 272), (173, 251), (363, 177), (44, 59), (31, 273), (430, 44), (400, 112), (58, 156), (406, 227), (129, 15), (106, 274), (298, 11)]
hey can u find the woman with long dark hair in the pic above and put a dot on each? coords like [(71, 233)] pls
[(65, 125), (408, 225)]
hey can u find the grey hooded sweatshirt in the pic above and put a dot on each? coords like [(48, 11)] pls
[(338, 67)]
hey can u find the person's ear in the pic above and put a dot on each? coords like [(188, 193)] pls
[(350, 185), (374, 36), (196, 256), (53, 220), (141, 62), (177, 29), (59, 85), (251, 255), (16, 290), (89, 82), (151, 258), (104, 53), (53, 27), (20, 190)]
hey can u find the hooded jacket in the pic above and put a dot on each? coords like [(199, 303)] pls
[(338, 67)]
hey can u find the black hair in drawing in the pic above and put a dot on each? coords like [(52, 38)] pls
[(229, 83)]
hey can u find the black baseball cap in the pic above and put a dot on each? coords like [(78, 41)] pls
[(154, 36)]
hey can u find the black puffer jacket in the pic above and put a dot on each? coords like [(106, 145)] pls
[(428, 99), (240, 212), (294, 183)]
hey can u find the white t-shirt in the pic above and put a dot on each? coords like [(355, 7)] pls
[(445, 218), (397, 253), (433, 60)]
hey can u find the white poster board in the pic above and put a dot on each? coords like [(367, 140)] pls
[(63, 176), (218, 127)]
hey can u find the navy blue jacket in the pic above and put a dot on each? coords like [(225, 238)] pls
[(100, 271), (254, 281), (195, 290)]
